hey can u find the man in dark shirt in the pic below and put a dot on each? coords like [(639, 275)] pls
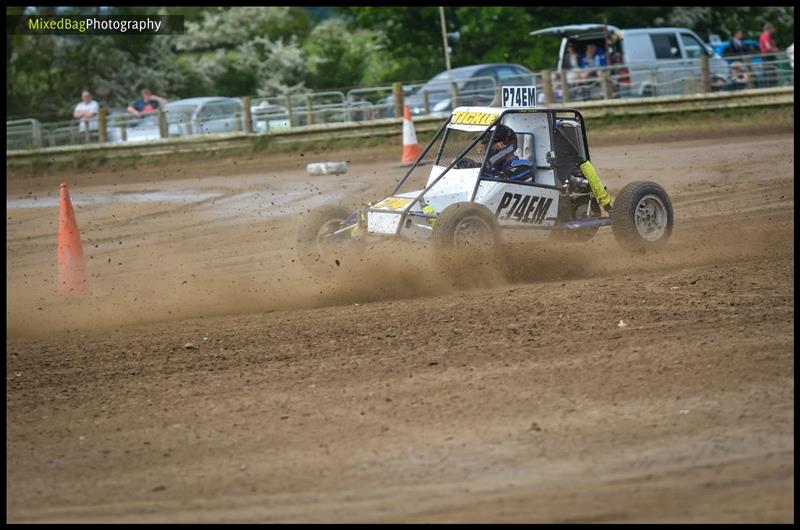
[(737, 46), (146, 104)]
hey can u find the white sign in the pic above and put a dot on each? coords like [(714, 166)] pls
[(519, 96)]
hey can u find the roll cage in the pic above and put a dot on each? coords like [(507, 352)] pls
[(553, 130)]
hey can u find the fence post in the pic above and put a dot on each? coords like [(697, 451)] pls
[(397, 94), (547, 86), (248, 115), (564, 86), (608, 91), (37, 133), (454, 93), (705, 73), (426, 102), (102, 123), (289, 110), (309, 110), (123, 128), (162, 124), (188, 118)]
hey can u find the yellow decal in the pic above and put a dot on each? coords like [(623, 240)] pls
[(393, 203), (473, 118)]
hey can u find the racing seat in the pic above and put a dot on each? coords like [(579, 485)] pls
[(567, 142)]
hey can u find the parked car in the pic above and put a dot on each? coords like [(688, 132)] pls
[(644, 61), (185, 117), (269, 117), (476, 86)]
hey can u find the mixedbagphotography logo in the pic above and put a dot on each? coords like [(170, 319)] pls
[(95, 24)]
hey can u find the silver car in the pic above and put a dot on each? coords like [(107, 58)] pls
[(185, 117)]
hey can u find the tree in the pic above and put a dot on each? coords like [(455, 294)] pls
[(246, 50), (338, 58)]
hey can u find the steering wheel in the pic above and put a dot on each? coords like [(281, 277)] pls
[(467, 163)]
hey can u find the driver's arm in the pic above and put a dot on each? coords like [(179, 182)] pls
[(519, 171)]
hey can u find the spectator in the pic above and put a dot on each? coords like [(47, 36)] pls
[(737, 46), (767, 45), (765, 42), (739, 76), (85, 111), (594, 58), (146, 104), (572, 61)]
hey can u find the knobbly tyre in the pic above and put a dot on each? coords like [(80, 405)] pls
[(465, 209)]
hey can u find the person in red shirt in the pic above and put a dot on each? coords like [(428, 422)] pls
[(765, 41), (767, 45)]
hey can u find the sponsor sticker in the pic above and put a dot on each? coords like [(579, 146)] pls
[(393, 203), (473, 118)]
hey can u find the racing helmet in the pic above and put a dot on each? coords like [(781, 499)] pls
[(507, 137)]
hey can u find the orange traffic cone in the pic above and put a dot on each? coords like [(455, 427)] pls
[(410, 145), (71, 265)]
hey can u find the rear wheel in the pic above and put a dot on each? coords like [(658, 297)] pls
[(316, 247), (642, 217)]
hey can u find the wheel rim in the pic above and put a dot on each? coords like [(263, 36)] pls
[(473, 232), (326, 231), (651, 218)]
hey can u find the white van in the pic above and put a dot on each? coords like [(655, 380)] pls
[(645, 61)]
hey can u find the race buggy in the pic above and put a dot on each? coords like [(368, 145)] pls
[(463, 207)]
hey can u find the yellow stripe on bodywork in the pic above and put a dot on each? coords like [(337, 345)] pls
[(393, 203)]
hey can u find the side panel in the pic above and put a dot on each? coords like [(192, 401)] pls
[(383, 223), (536, 124), (518, 205), (455, 186)]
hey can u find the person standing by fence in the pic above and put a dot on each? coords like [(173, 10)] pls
[(86, 111), (767, 45)]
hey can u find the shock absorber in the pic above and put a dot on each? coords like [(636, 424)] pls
[(596, 185)]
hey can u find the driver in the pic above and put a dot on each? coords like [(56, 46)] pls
[(503, 162)]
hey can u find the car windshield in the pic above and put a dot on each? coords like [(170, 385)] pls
[(440, 83), (177, 110), (173, 112)]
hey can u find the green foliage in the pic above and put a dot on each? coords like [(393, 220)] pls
[(338, 58), (235, 51)]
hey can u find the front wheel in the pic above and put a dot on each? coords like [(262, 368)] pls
[(642, 217), (317, 247), (466, 240)]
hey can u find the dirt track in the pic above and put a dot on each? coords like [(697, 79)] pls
[(389, 394)]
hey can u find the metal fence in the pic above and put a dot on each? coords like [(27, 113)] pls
[(262, 115)]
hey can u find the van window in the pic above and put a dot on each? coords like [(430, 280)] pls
[(665, 45), (693, 47)]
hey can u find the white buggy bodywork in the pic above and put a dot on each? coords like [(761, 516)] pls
[(465, 206), (532, 204)]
